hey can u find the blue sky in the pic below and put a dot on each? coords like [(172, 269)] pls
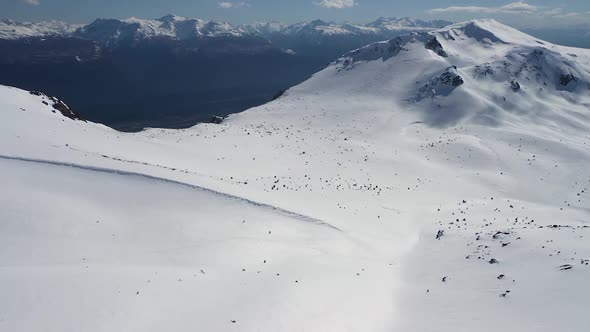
[(531, 13)]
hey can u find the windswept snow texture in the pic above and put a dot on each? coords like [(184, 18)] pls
[(380, 195)]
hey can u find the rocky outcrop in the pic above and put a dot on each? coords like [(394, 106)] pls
[(57, 105), (441, 85), (217, 119), (389, 49), (565, 79), (435, 46)]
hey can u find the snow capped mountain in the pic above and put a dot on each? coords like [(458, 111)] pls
[(437, 181), (494, 70), (108, 31), (406, 23), (176, 27), (383, 26), (264, 28), (15, 30)]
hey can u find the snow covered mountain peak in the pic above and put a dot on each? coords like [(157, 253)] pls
[(115, 31), (481, 71), (12, 30), (264, 28), (172, 18), (486, 30), (112, 31), (404, 23)]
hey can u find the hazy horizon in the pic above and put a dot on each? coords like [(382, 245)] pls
[(538, 14)]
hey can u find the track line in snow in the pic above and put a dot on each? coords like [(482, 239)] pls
[(296, 215)]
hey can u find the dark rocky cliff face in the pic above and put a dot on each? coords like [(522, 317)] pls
[(58, 105)]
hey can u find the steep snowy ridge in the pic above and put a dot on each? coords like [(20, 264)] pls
[(445, 174)]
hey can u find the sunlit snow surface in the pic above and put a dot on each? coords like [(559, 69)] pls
[(319, 211)]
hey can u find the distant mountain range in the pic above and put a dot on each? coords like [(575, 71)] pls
[(114, 31), (10, 29)]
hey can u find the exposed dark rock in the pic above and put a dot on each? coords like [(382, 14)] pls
[(279, 94), (499, 233), (58, 105), (451, 78), (64, 109), (565, 79), (435, 46), (515, 86), (441, 85), (484, 70), (566, 267), (217, 119)]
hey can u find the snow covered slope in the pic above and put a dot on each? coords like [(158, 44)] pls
[(435, 182)]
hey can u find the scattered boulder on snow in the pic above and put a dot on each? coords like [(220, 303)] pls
[(566, 267), (499, 234)]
